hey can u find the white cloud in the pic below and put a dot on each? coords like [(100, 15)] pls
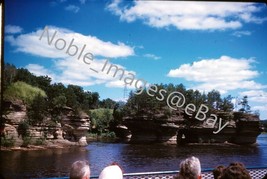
[(241, 33), (30, 43), (72, 8), (189, 15), (255, 95), (68, 69), (39, 70), (223, 74), (260, 108), (13, 29), (154, 57)]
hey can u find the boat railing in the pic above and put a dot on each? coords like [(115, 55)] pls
[(255, 173)]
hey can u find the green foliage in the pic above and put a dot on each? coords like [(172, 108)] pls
[(109, 135), (107, 103), (23, 91), (21, 84), (37, 110), (10, 73), (140, 102), (226, 104), (40, 141), (27, 140), (7, 142), (59, 101), (245, 107), (214, 99), (117, 113), (100, 119), (23, 129)]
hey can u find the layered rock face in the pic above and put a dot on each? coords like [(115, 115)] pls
[(73, 127), (179, 129), (154, 129), (16, 113)]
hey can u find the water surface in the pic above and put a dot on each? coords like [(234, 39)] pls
[(132, 158)]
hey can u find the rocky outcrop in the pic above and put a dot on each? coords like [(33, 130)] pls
[(71, 130), (16, 112), (177, 128), (156, 129), (75, 126)]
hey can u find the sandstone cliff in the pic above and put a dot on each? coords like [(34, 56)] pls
[(71, 129), (178, 128)]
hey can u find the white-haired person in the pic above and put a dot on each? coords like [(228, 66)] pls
[(190, 168), (112, 171), (80, 170)]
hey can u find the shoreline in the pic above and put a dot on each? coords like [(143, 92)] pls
[(50, 144), (68, 144)]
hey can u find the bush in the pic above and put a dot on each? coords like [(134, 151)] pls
[(23, 129), (40, 141), (37, 110), (101, 119), (7, 142), (110, 135), (23, 91), (26, 141)]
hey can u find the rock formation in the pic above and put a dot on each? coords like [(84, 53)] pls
[(72, 127), (178, 128)]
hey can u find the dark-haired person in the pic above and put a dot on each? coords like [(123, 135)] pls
[(218, 171), (80, 170), (235, 171)]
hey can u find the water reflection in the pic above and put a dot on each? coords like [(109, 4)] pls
[(133, 158)]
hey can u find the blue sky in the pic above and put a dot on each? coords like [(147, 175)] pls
[(203, 45)]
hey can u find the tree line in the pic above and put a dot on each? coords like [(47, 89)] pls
[(44, 98)]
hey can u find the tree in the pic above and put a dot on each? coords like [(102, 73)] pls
[(59, 101), (107, 103), (227, 104), (37, 110), (43, 82), (101, 119), (10, 72), (71, 98), (23, 129), (214, 99), (245, 107), (25, 76), (95, 100), (198, 98)]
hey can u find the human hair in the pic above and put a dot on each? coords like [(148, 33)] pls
[(112, 171), (235, 171), (190, 168), (80, 170), (218, 171)]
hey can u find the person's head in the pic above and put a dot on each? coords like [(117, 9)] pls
[(217, 171), (235, 171), (111, 172), (80, 170), (190, 168)]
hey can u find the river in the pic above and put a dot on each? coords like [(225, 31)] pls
[(132, 158)]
